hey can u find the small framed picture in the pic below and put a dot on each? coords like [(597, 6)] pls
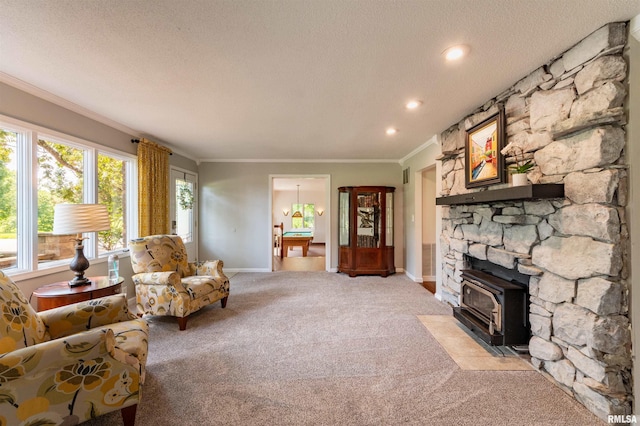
[(484, 164)]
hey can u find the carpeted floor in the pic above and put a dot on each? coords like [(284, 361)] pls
[(320, 348)]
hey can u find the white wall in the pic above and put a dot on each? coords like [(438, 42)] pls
[(429, 206), (236, 223), (417, 162)]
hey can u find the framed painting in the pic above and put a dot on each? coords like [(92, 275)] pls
[(484, 164)]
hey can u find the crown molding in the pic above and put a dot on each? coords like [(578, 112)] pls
[(432, 141), (64, 103), (71, 106), (291, 160)]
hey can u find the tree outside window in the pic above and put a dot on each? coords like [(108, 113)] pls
[(308, 216), (112, 192), (60, 180), (8, 199)]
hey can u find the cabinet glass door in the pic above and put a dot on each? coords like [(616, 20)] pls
[(389, 220), (343, 213), (368, 220)]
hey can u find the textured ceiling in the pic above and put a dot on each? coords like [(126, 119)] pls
[(287, 79)]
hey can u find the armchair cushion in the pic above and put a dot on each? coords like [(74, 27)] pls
[(21, 326), (71, 319), (159, 253), (199, 286)]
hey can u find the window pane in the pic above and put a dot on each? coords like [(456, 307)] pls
[(8, 200), (344, 218), (184, 209), (309, 215), (60, 180), (112, 193)]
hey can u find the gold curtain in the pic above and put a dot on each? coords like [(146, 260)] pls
[(153, 188)]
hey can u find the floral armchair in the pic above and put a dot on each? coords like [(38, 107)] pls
[(69, 364), (167, 284)]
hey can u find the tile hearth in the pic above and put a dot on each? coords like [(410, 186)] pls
[(467, 350)]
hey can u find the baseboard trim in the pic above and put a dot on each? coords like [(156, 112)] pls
[(236, 270), (412, 278)]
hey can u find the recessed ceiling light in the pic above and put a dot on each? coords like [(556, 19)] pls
[(391, 131), (413, 104), (456, 52)]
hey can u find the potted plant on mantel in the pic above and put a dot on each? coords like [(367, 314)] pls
[(520, 168)]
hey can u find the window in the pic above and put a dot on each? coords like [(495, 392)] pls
[(40, 168), (308, 216)]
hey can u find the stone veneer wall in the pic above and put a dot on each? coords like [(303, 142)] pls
[(568, 116)]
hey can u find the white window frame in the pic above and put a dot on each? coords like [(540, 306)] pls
[(27, 265)]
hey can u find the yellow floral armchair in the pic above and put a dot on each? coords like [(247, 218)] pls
[(167, 284), (69, 364)]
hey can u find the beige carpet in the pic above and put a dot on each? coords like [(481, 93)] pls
[(320, 348)]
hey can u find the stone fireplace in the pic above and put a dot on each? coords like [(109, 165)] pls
[(568, 116)]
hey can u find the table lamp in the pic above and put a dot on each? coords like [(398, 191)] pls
[(76, 219)]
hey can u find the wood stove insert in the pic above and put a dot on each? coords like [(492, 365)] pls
[(493, 308)]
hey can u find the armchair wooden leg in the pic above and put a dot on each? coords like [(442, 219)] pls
[(223, 301), (182, 322), (129, 415)]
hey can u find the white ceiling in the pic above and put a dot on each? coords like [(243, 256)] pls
[(287, 79)]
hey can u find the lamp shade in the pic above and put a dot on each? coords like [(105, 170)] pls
[(79, 218)]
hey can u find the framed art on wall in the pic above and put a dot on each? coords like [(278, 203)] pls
[(484, 164)]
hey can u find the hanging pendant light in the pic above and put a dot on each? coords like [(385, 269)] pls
[(297, 213)]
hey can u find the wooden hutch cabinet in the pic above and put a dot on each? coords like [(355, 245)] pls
[(365, 234)]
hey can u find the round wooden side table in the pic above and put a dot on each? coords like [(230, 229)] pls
[(59, 294)]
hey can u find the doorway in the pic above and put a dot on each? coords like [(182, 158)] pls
[(300, 219), (429, 234)]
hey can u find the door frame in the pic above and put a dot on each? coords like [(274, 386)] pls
[(417, 212), (327, 213)]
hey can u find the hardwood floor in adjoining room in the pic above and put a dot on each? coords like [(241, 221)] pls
[(430, 285), (314, 261)]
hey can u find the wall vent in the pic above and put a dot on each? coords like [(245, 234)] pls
[(428, 260)]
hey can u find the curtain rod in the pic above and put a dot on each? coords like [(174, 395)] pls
[(138, 141)]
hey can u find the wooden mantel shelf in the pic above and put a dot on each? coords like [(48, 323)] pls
[(512, 193)]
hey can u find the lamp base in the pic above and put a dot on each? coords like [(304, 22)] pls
[(79, 264), (77, 282)]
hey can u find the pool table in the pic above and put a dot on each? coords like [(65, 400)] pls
[(296, 239)]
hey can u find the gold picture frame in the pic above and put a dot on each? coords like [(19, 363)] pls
[(484, 163)]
